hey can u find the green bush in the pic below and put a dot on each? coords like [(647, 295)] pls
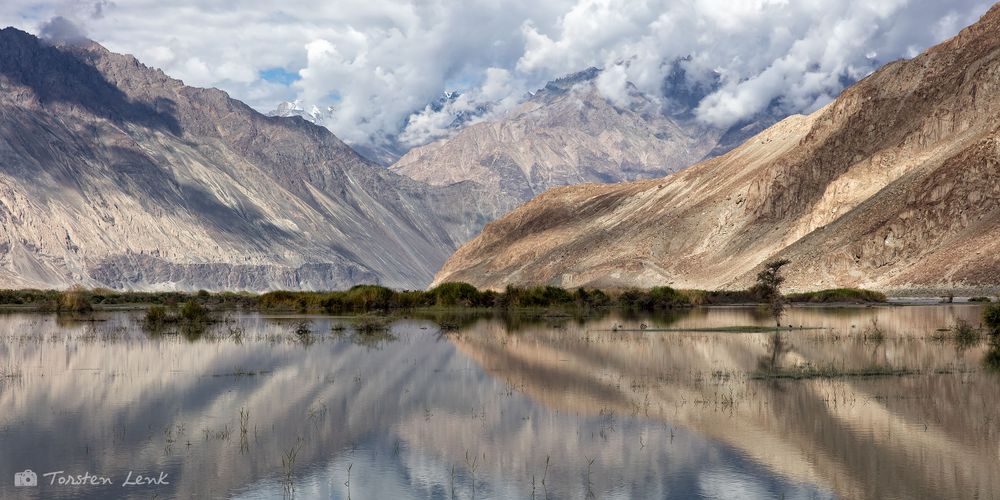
[(838, 295), (156, 317), (456, 294), (992, 358), (965, 334), (661, 297), (539, 296), (369, 298), (193, 313), (74, 300), (591, 298)]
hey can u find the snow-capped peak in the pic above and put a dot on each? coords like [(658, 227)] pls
[(296, 108)]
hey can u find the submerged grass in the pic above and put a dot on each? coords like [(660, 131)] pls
[(965, 334), (809, 371), (722, 329)]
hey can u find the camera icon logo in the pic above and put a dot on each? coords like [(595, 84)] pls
[(26, 478)]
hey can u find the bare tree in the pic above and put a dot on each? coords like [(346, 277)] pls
[(768, 287)]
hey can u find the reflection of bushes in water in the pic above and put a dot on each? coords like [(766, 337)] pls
[(192, 320), (193, 331), (761, 313), (965, 335), (658, 319), (368, 325), (991, 317), (517, 320), (777, 347), (452, 319), (367, 331), (991, 360), (873, 333), (303, 327)]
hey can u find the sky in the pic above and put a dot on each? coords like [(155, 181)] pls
[(380, 62)]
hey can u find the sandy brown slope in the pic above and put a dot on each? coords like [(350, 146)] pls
[(893, 185)]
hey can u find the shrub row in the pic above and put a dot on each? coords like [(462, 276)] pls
[(838, 295), (365, 298)]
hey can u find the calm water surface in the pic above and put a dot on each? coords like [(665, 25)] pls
[(505, 408)]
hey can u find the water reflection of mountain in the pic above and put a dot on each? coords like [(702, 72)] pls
[(922, 436), (404, 416), (652, 410)]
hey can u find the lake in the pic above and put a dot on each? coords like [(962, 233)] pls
[(855, 402)]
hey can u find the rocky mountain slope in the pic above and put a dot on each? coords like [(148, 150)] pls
[(895, 185), (113, 174), (569, 133)]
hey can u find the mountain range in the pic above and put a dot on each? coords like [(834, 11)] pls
[(894, 186), (569, 133), (114, 174)]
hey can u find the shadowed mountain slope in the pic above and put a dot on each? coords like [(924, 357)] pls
[(113, 174)]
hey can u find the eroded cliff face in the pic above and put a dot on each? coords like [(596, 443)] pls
[(113, 174), (567, 133), (894, 185)]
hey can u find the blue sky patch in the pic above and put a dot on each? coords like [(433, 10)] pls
[(279, 75)]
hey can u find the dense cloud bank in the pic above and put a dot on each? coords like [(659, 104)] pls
[(381, 63)]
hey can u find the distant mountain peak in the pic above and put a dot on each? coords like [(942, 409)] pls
[(567, 82), (568, 133), (314, 115)]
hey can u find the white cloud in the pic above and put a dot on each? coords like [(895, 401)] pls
[(497, 84), (494, 96), (612, 83), (381, 61)]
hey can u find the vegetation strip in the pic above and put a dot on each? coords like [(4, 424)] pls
[(374, 298)]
